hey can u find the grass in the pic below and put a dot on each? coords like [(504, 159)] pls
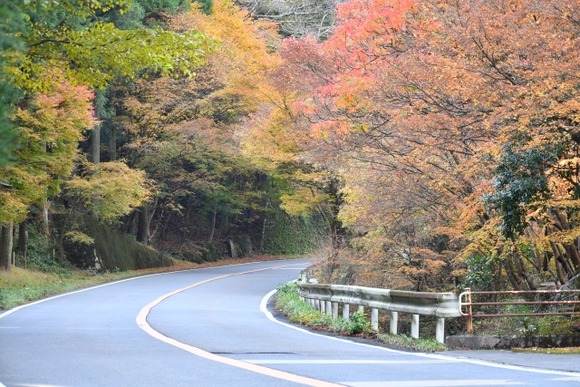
[(289, 303), (403, 341), (553, 351), (20, 286)]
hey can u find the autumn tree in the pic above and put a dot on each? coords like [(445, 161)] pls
[(12, 24), (420, 100), (181, 131), (49, 131), (89, 51), (276, 138)]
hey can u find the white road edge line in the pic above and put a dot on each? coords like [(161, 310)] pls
[(439, 383), (264, 309), (144, 325), (350, 361)]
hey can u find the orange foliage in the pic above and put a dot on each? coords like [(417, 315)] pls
[(413, 101)]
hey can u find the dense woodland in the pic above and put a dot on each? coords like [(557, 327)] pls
[(420, 144)]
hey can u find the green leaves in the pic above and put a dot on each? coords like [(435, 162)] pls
[(110, 190), (97, 55), (11, 27), (75, 37), (49, 131), (81, 8), (520, 179)]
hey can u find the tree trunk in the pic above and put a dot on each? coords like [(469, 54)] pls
[(559, 271), (113, 143), (6, 247), (562, 224), (519, 281), (22, 242), (143, 225), (497, 285), (165, 224), (573, 254), (213, 223), (96, 145), (510, 276), (263, 236), (45, 217), (184, 221), (560, 257)]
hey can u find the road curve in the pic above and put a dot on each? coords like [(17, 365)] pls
[(208, 327)]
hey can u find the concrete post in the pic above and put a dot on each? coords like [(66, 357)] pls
[(375, 319), (361, 308), (394, 323), (440, 330), (335, 310), (415, 326), (329, 308), (322, 307), (346, 312)]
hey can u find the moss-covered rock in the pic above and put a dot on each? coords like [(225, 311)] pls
[(108, 249)]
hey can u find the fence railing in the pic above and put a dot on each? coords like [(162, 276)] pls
[(329, 298), (538, 302)]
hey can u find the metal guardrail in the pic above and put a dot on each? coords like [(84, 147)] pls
[(546, 307), (327, 298)]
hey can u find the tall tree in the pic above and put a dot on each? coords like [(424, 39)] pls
[(180, 130), (11, 26), (416, 105), (89, 52), (49, 131)]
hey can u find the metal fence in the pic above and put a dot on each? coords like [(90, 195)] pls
[(490, 304)]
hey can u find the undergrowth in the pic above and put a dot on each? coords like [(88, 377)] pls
[(403, 341)]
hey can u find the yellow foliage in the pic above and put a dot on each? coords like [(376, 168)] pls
[(302, 201), (244, 60), (13, 208), (111, 189)]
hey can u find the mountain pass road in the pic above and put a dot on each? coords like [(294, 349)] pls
[(211, 327)]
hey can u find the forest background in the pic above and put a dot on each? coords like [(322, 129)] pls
[(426, 145)]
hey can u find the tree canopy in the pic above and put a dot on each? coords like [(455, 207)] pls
[(449, 118), (436, 140)]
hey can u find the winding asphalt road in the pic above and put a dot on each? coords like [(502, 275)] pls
[(211, 327)]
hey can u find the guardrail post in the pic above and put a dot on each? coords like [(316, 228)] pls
[(346, 312), (415, 326), (328, 299), (375, 319), (394, 323), (469, 311), (440, 330)]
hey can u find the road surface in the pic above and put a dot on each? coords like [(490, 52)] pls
[(210, 327)]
